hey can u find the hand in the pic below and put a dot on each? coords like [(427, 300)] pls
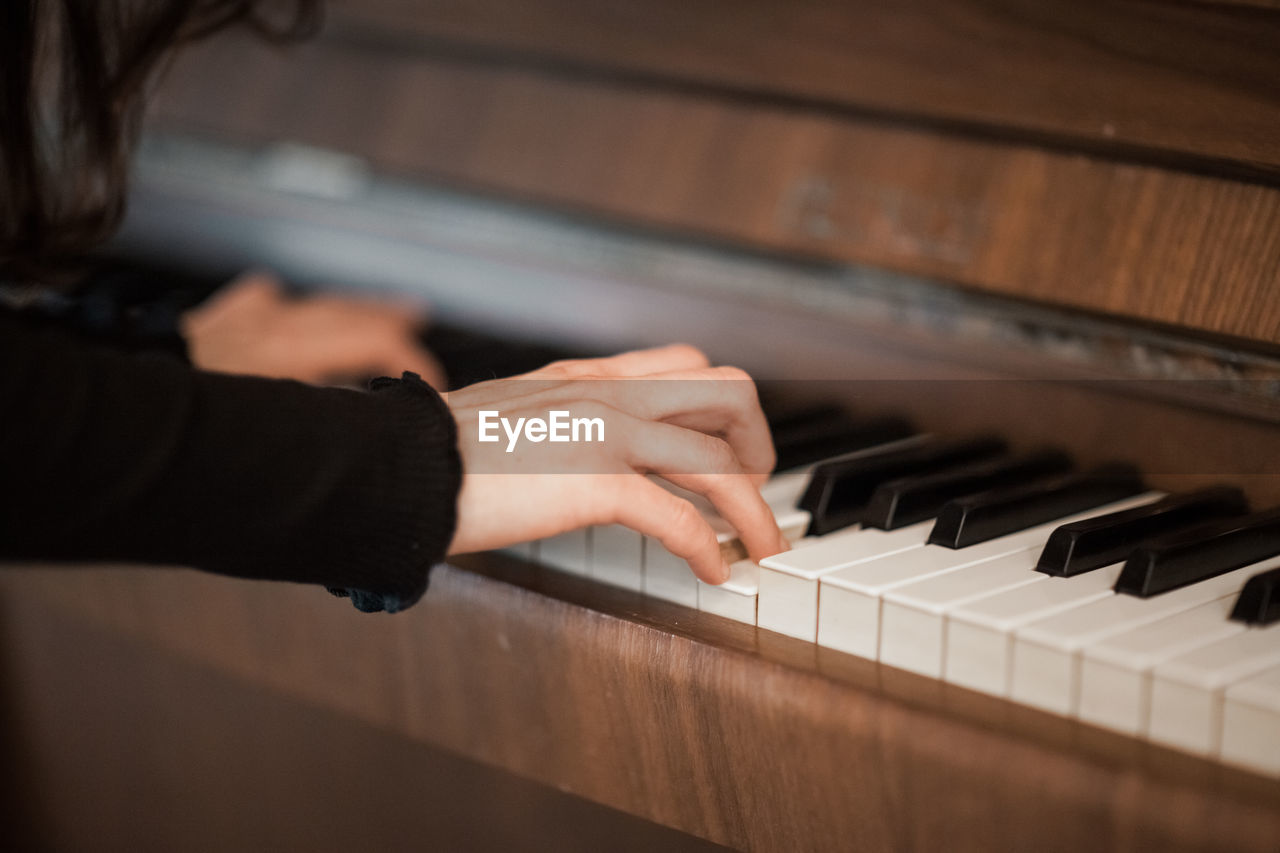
[(251, 326), (699, 428)]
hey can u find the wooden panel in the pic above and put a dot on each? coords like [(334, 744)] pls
[(1069, 230), (713, 728), (122, 746), (1178, 78)]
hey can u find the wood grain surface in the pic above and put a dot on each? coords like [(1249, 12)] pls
[(712, 728), (1132, 76), (1130, 240), (113, 743)]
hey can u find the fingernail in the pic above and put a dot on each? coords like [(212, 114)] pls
[(724, 571)]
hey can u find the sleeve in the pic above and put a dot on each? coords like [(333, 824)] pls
[(122, 309), (135, 457)]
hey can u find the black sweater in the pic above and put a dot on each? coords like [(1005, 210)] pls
[(106, 455)]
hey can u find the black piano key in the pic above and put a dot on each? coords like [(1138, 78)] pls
[(913, 499), (977, 518), (1083, 546), (839, 490), (1200, 553), (1259, 601), (804, 443)]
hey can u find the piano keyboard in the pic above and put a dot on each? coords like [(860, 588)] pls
[(1080, 593)]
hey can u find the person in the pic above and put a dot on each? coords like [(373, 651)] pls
[(141, 457)]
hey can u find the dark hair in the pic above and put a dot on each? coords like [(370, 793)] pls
[(73, 75)]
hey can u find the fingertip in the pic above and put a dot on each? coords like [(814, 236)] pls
[(713, 570), (710, 570), (779, 544), (719, 576)]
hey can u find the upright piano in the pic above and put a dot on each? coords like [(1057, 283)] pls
[(1019, 260)]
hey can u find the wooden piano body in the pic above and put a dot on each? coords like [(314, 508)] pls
[(1057, 221)]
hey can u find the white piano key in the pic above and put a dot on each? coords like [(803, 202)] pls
[(851, 595), (617, 556), (667, 576), (980, 634), (1115, 674), (784, 490), (850, 621), (822, 554), (913, 617), (781, 492), (872, 579), (791, 522), (1251, 723), (1046, 653), (789, 581), (568, 552), (736, 597), (1187, 691), (790, 610)]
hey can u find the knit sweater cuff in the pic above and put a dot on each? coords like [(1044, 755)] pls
[(419, 524)]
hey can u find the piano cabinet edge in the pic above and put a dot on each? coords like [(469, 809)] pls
[(716, 730)]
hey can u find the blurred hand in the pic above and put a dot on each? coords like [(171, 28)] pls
[(252, 327), (701, 429)]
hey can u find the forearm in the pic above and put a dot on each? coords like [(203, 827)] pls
[(117, 457)]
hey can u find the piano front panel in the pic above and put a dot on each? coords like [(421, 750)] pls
[(698, 723), (1109, 235)]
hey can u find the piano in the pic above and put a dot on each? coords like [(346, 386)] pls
[(1007, 277)]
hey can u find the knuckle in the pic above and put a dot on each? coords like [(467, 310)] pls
[(735, 374), (590, 407), (588, 390), (719, 455), (691, 353), (684, 516), (769, 460), (567, 367)]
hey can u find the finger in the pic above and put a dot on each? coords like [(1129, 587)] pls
[(396, 313), (649, 509), (325, 352), (521, 389), (707, 466), (635, 363), (719, 401), (251, 297), (251, 286)]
